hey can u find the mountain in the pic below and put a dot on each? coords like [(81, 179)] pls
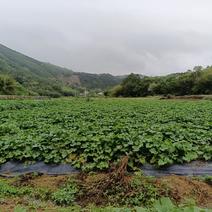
[(40, 78)]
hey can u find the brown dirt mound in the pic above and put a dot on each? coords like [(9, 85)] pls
[(49, 182), (182, 188), (187, 97), (8, 205), (41, 181)]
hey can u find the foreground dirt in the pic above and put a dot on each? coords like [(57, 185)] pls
[(179, 189), (184, 188), (51, 183)]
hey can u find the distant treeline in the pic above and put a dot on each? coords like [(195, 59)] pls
[(196, 81)]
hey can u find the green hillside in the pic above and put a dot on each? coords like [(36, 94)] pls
[(39, 78), (193, 82)]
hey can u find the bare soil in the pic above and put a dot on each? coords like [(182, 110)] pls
[(187, 97), (42, 181), (184, 188), (179, 188)]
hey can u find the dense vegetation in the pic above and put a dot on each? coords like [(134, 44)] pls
[(92, 134), (7, 85), (38, 78), (198, 81)]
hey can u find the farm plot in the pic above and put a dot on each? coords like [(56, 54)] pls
[(91, 135)]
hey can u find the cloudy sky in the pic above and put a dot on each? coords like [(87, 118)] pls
[(111, 36)]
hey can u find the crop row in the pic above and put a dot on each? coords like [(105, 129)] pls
[(91, 135)]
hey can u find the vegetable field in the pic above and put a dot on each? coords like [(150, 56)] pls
[(93, 134)]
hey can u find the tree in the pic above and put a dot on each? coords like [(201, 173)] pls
[(131, 85), (198, 81), (7, 85), (198, 68)]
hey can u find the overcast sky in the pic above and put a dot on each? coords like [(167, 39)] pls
[(151, 37)]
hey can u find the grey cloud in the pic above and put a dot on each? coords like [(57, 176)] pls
[(114, 36)]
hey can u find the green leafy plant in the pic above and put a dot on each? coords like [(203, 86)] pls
[(9, 190), (65, 195), (144, 191), (92, 135), (20, 209)]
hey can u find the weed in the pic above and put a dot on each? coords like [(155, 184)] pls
[(66, 195)]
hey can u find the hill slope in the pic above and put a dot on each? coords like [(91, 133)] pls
[(193, 82), (44, 78)]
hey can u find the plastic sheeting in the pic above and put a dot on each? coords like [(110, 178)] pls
[(18, 168), (195, 168)]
